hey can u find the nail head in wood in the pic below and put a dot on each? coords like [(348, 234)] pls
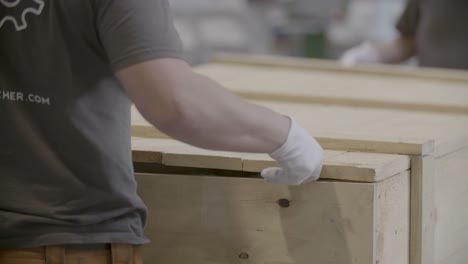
[(284, 203), (243, 255)]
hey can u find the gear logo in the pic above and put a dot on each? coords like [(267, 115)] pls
[(18, 10)]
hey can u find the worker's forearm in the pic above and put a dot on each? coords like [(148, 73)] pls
[(211, 117), (198, 111), (397, 51)]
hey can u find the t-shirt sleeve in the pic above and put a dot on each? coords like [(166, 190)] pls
[(132, 32), (408, 23)]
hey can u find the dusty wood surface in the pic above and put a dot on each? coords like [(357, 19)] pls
[(338, 165), (451, 210), (237, 220)]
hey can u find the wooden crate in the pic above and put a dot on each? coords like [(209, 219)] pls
[(422, 115), (359, 213)]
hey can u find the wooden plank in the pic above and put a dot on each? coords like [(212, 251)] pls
[(328, 65), (338, 165), (363, 167), (338, 141), (451, 211), (446, 146), (399, 130), (355, 129), (174, 153), (258, 162), (238, 220), (378, 167), (392, 220), (422, 210), (326, 135), (373, 144), (347, 89)]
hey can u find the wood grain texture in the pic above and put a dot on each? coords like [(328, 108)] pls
[(174, 153), (358, 129), (386, 70), (341, 141), (392, 220), (395, 130), (304, 86), (422, 210), (338, 165), (451, 210), (237, 220)]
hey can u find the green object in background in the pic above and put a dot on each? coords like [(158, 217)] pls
[(315, 45)]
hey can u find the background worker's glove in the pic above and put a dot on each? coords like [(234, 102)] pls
[(363, 53), (300, 159)]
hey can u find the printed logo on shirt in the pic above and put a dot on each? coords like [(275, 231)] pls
[(18, 11), (24, 97)]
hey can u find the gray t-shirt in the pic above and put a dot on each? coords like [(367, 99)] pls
[(65, 158), (440, 30)]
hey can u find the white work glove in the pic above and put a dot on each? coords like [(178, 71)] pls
[(363, 53), (300, 159)]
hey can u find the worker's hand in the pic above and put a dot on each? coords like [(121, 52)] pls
[(300, 159), (363, 53)]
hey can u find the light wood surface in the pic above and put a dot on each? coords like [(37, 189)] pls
[(423, 224), (391, 112), (392, 220), (448, 132), (200, 219), (332, 66), (348, 89), (359, 129), (451, 210), (338, 165), (342, 141), (366, 108)]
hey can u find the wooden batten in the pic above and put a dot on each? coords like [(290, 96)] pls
[(361, 130), (348, 89), (448, 217), (345, 87), (338, 165), (337, 142), (333, 66)]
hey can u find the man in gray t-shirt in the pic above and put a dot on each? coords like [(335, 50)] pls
[(69, 70), (433, 30)]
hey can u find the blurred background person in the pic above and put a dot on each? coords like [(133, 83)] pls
[(428, 33), (300, 28), (432, 30)]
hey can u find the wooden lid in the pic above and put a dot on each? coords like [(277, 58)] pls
[(338, 165)]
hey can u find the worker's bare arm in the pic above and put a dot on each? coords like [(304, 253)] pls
[(194, 109), (399, 50)]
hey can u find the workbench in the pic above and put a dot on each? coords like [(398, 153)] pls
[(393, 187)]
